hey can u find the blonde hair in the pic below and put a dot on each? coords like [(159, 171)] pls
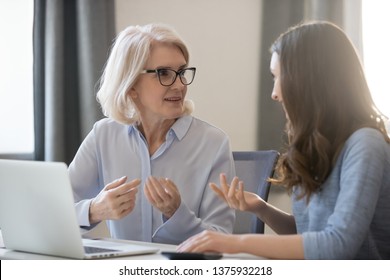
[(127, 59)]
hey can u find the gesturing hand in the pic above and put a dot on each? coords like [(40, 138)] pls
[(163, 194), (235, 196), (116, 200)]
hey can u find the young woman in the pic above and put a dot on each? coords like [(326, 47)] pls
[(336, 164)]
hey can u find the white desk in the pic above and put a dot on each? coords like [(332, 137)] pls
[(6, 254)]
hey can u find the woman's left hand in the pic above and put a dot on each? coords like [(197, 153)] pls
[(163, 194)]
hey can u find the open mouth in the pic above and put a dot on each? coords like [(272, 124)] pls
[(172, 99)]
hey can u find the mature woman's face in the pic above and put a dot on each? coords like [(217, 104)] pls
[(154, 101)]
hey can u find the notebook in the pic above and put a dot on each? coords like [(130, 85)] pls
[(37, 214)]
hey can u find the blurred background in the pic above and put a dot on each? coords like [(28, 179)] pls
[(52, 54)]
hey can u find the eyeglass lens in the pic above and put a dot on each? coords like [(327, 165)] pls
[(168, 76)]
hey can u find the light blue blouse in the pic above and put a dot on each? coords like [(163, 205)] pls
[(193, 155), (350, 217)]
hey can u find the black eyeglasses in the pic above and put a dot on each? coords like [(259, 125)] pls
[(168, 76)]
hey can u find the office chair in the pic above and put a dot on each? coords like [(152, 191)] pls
[(253, 168)]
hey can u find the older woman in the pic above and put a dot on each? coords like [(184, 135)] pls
[(146, 168)]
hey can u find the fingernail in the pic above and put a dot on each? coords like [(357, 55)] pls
[(121, 178)]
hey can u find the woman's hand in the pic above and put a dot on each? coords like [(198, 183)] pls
[(211, 241), (163, 194), (116, 200), (235, 196)]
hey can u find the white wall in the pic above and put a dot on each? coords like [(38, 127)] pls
[(224, 41)]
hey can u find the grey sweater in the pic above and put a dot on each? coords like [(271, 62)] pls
[(349, 218)]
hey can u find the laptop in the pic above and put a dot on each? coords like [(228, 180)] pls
[(37, 214)]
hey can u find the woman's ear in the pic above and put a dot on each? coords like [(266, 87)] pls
[(132, 93)]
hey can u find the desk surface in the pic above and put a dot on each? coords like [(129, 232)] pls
[(6, 254)]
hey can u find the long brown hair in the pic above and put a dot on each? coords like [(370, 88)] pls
[(326, 97)]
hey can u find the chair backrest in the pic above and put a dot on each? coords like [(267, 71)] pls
[(253, 168)]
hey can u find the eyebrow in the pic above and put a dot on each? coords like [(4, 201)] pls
[(169, 67)]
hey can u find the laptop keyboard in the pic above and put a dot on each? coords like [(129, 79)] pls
[(91, 250)]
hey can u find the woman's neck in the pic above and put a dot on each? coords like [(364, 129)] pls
[(155, 133)]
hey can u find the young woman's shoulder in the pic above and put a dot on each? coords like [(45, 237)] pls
[(368, 143), (367, 136)]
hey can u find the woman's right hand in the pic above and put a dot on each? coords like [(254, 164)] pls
[(116, 200), (211, 241), (235, 196)]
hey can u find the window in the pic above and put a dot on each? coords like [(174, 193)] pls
[(376, 46), (16, 78)]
